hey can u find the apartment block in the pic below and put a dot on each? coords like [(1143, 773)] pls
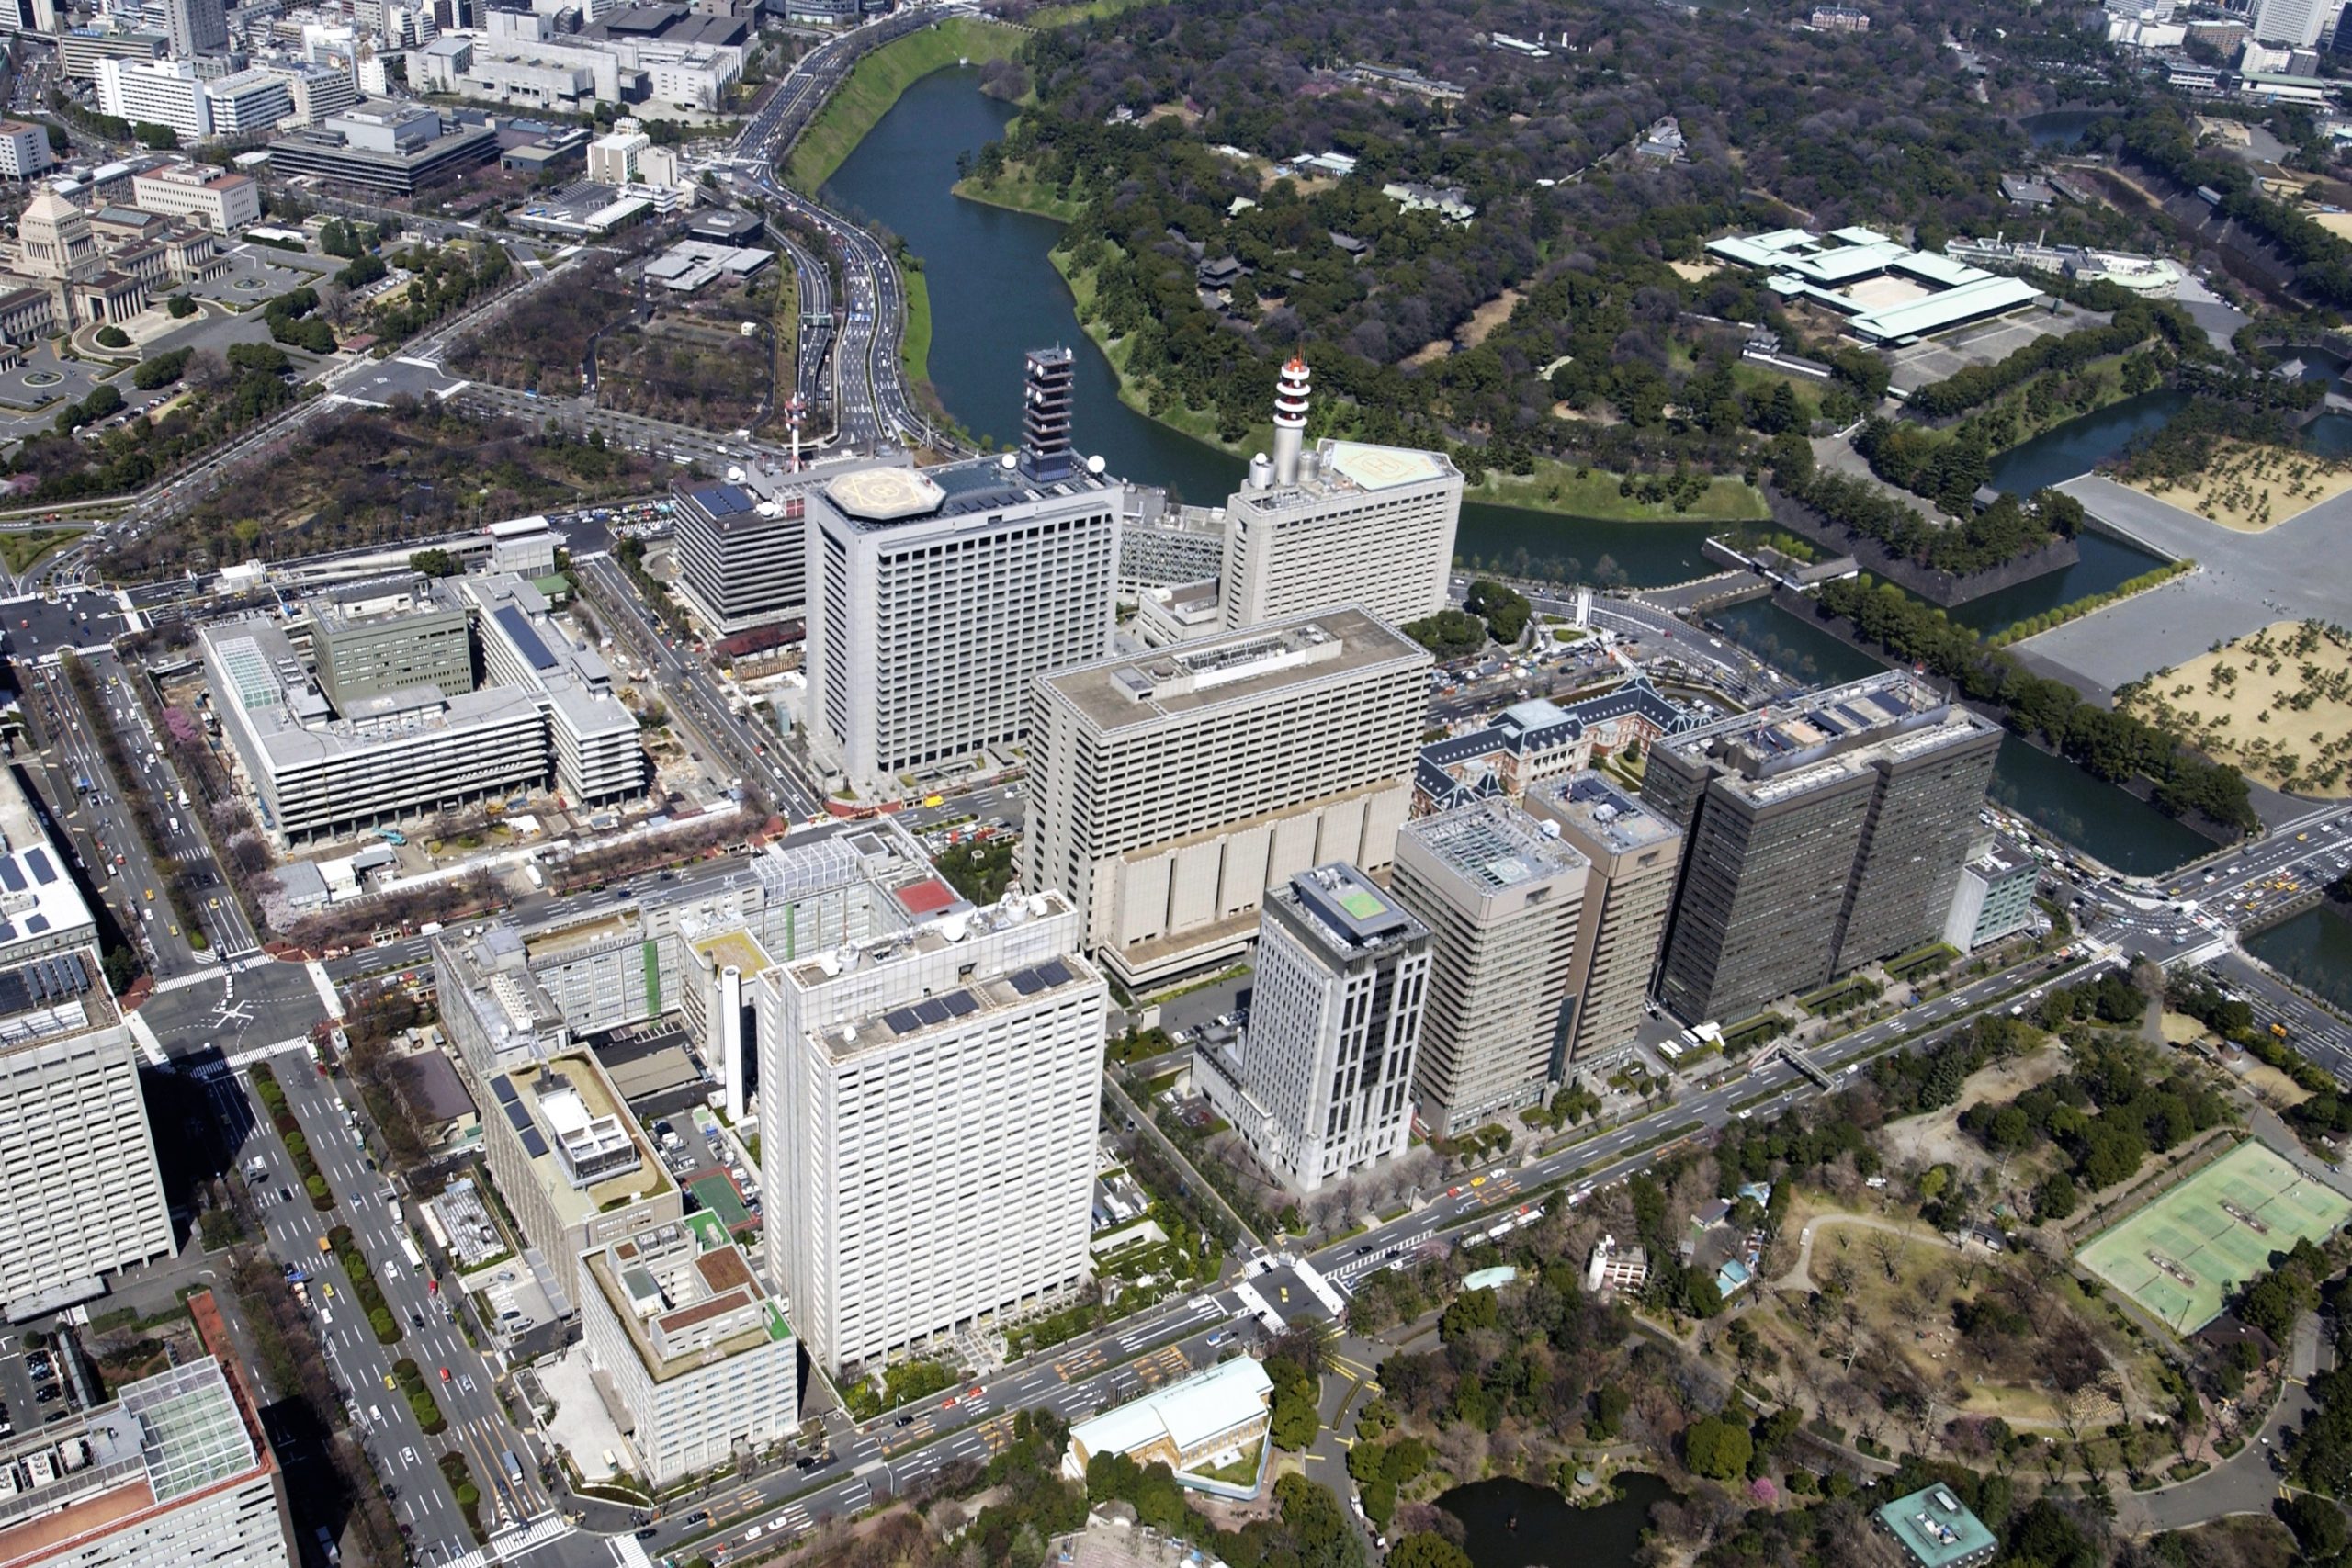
[(1819, 833), (1501, 900), (1374, 524), (1634, 854), (1320, 1086), (572, 1163), (703, 1369), (936, 595), (246, 103), (920, 1092), (173, 1469), (1171, 791), (742, 561)]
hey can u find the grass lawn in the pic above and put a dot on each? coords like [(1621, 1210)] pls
[(1016, 189), (21, 547), (914, 342), (1554, 487), (1080, 11), (876, 83)]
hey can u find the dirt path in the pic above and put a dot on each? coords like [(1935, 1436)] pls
[(1801, 1277)]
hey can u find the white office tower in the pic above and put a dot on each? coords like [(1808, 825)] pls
[(1634, 852), (1501, 901), (1372, 524), (80, 1192), (196, 26), (927, 1116), (2294, 23), (1171, 791), (937, 595), (1321, 1085), (171, 1473), (695, 1350)]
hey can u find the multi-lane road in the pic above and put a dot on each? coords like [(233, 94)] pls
[(404, 1455)]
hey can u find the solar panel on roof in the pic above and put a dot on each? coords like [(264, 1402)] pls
[(930, 1009), (517, 1117), (960, 1004), (36, 923), (723, 501), (902, 1020), (1823, 721), (12, 878), (526, 641), (37, 858), (500, 1086), (533, 1145), (1056, 973), (1026, 982)]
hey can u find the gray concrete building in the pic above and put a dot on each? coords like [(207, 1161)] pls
[(1501, 901), (742, 561), (395, 635), (1821, 833), (1634, 853), (1993, 897)]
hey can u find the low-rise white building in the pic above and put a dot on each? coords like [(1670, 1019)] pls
[(222, 200), (1190, 1425), (156, 92), (24, 149), (701, 1365)]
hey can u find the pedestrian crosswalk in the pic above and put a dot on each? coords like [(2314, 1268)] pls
[(508, 1545)]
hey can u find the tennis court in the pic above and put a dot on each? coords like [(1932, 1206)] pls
[(2183, 1254)]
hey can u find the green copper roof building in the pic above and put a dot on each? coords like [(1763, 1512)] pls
[(1935, 1530)]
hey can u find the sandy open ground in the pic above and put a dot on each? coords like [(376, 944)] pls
[(1694, 272), (2251, 488), (2240, 706)]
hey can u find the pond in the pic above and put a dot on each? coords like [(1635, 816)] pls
[(1513, 1524)]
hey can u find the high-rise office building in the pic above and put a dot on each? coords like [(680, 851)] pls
[(1320, 1086), (172, 1470), (937, 595), (1993, 897), (81, 1196), (1169, 792), (742, 561), (2294, 23), (1634, 853), (593, 741), (1502, 902), (928, 1101), (196, 26), (1820, 833), (1372, 524)]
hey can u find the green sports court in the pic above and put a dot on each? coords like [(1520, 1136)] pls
[(2183, 1254)]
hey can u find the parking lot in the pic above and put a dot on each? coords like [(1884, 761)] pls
[(1940, 359)]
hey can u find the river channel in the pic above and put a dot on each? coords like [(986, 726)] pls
[(993, 295)]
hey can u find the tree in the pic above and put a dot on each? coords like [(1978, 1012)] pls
[(1427, 1549), (180, 306), (435, 563), (1717, 1449), (112, 336), (2054, 1198), (60, 140), (1504, 609)]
